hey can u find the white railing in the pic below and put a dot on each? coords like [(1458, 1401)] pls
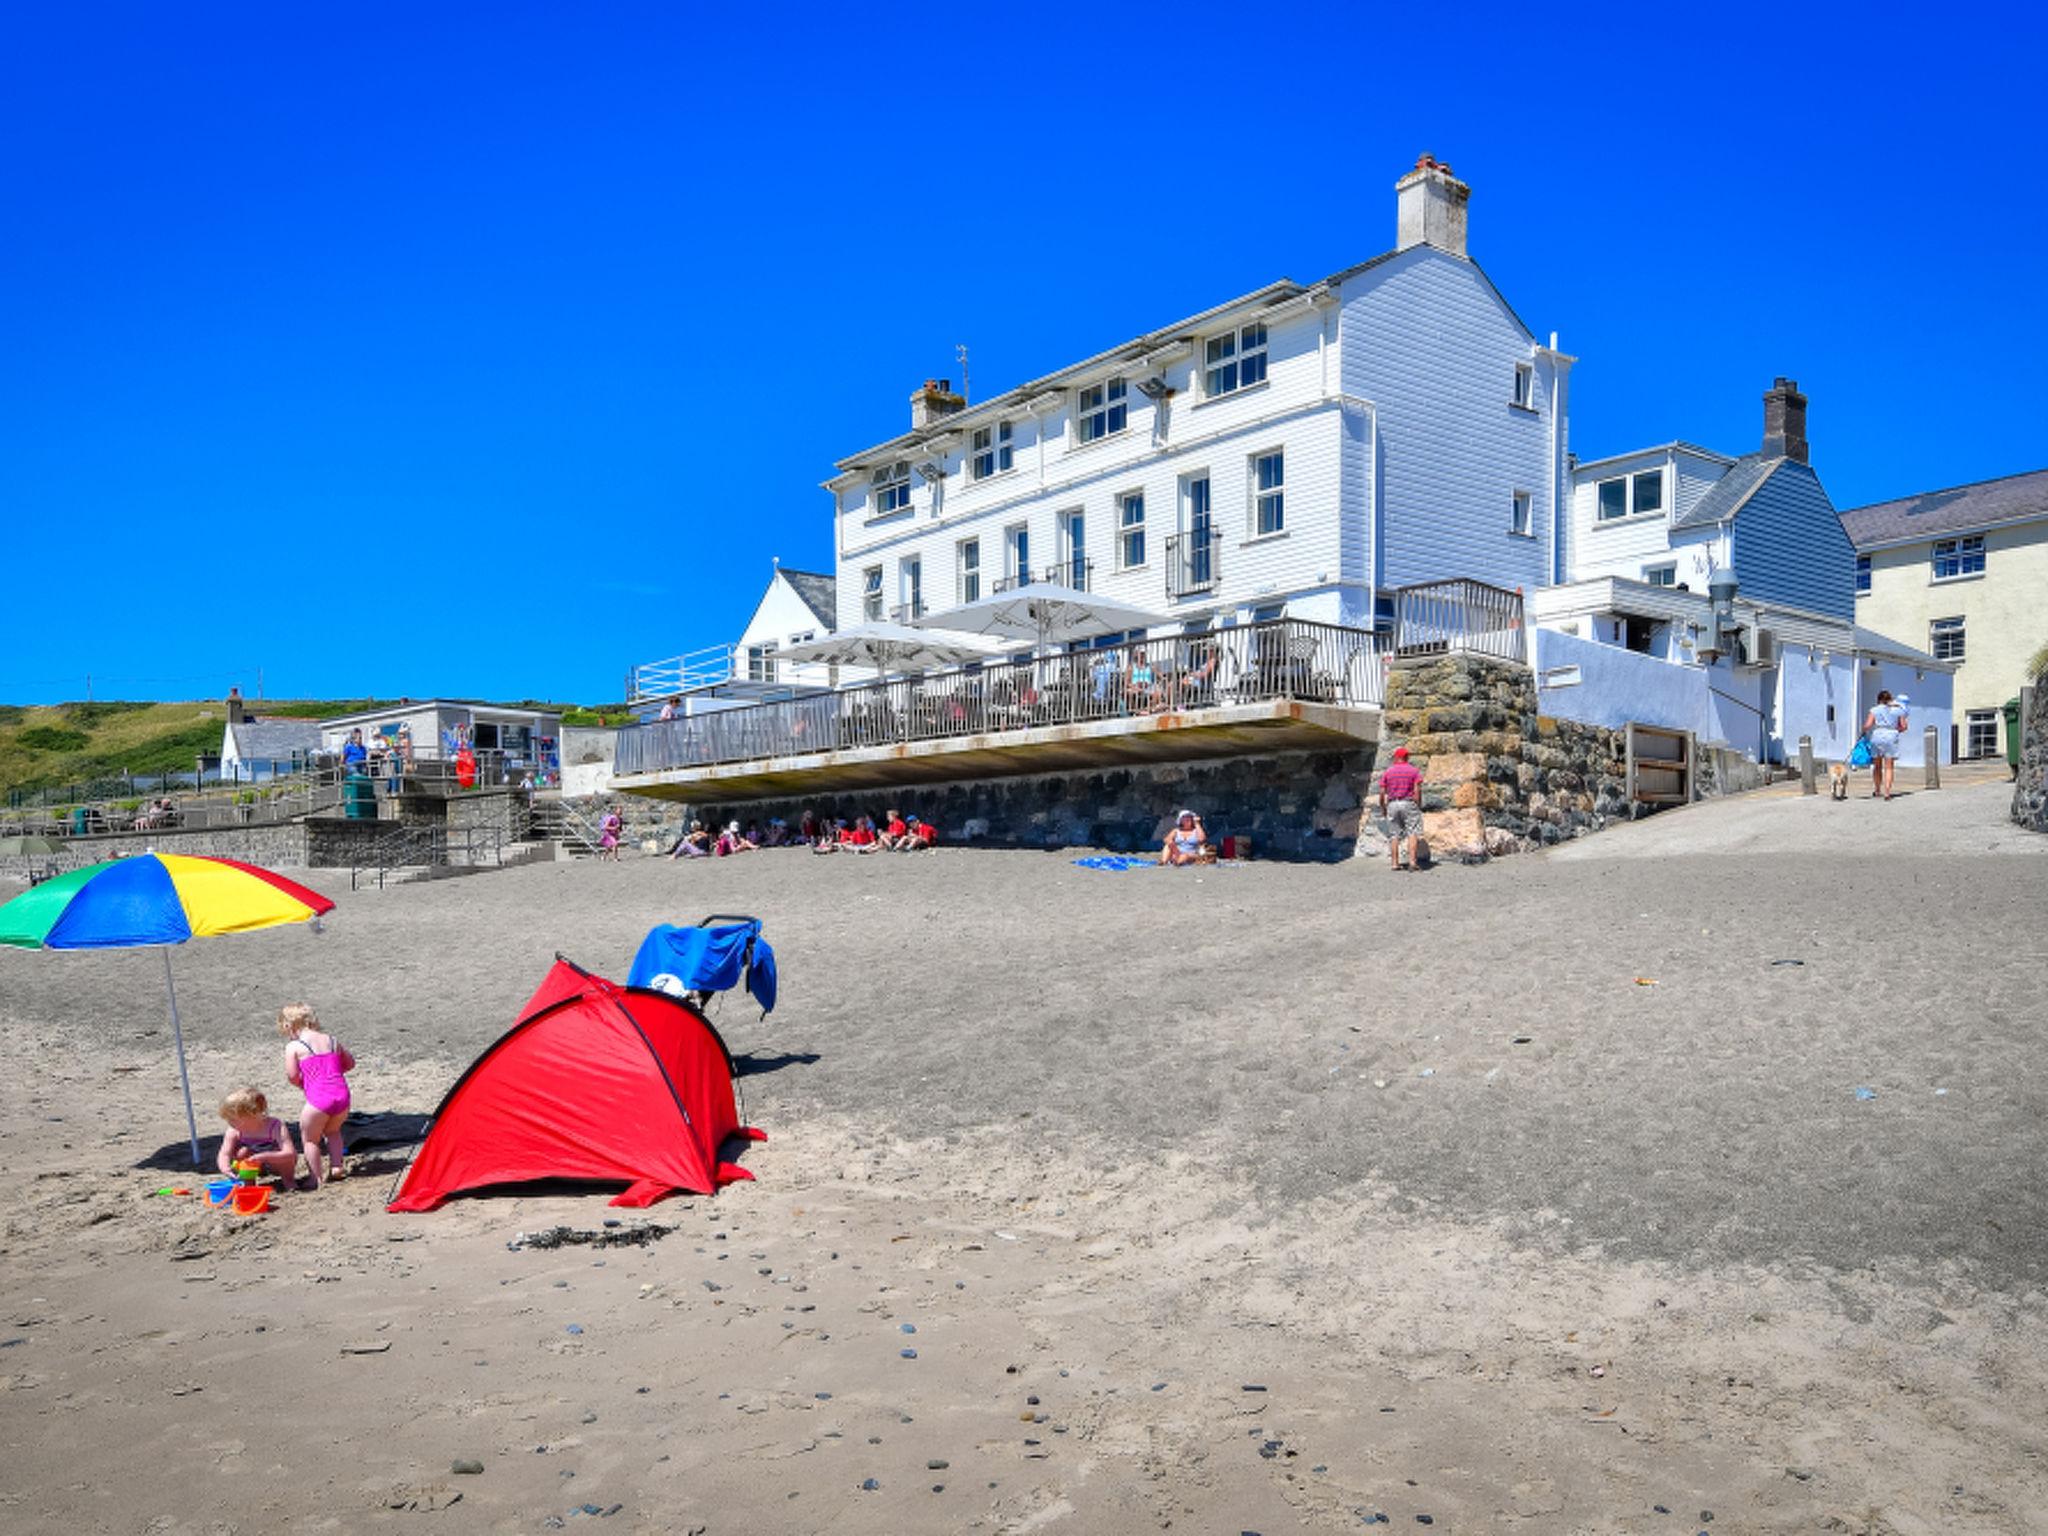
[(703, 668)]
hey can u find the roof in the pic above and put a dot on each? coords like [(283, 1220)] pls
[(413, 706), (1957, 509), (273, 741), (1676, 445), (819, 592), (1870, 643), (1729, 494)]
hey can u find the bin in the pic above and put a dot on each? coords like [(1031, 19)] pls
[(2012, 736)]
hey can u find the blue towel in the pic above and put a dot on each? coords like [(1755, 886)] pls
[(1115, 861), (708, 960)]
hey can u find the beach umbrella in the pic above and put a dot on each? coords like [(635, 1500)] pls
[(155, 900), (889, 648), (1045, 613)]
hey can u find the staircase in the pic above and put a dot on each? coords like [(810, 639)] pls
[(553, 821)]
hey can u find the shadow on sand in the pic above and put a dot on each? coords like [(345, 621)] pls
[(368, 1132), (755, 1064)]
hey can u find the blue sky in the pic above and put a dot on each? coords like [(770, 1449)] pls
[(489, 349)]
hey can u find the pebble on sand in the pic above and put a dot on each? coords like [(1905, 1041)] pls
[(908, 1354), (466, 1467)]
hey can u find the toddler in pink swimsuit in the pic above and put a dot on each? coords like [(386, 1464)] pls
[(318, 1063)]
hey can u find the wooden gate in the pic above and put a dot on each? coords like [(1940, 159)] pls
[(1659, 765)]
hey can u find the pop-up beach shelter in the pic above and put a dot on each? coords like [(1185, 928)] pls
[(595, 1082)]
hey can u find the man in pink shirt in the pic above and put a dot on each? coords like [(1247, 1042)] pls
[(1401, 804)]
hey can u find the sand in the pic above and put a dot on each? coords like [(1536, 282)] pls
[(1131, 1145)]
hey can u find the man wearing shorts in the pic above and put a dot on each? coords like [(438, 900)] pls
[(1401, 805)]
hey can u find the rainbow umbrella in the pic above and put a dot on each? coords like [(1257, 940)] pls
[(156, 899)]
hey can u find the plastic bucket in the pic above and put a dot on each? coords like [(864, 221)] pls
[(252, 1199), (218, 1190)]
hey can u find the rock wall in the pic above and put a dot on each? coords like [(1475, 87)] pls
[(1296, 805), (2030, 792), (282, 845)]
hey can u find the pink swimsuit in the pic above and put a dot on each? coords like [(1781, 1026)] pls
[(325, 1084)]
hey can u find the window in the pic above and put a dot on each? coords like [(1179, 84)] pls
[(1521, 522), (1102, 410), (1198, 568), (1525, 386), (1233, 361), (970, 570), (892, 489), (1980, 737), (871, 594), (1130, 527), (1955, 558), (1017, 554), (759, 668), (1661, 575), (1269, 511), (1074, 528), (1632, 495), (1862, 574), (1945, 639), (990, 451), (910, 577)]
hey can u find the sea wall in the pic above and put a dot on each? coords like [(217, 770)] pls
[(2030, 792)]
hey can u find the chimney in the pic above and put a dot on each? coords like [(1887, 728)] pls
[(1785, 421), (934, 400), (236, 711), (1430, 207)]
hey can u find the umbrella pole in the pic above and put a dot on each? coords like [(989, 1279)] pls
[(178, 1034)]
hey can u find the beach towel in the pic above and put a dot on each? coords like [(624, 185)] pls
[(713, 959), (1116, 862)]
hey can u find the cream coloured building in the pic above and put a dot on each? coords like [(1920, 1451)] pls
[(1962, 574)]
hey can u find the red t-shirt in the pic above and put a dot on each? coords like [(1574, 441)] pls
[(896, 828), (1401, 782), (927, 831), (858, 835)]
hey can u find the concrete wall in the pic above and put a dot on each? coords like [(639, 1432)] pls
[(1929, 701)]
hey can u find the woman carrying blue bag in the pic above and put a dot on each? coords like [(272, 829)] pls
[(1879, 744)]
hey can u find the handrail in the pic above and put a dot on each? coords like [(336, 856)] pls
[(1433, 618), (1193, 563), (1281, 659)]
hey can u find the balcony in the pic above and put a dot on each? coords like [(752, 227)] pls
[(1282, 686), (907, 613), (1194, 562), (1078, 574)]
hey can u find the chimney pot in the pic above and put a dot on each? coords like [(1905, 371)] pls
[(237, 710), (933, 401), (1785, 421), (1430, 207)]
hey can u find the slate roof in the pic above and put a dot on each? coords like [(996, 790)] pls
[(275, 741), (819, 592), (1870, 643), (1932, 514), (1726, 496)]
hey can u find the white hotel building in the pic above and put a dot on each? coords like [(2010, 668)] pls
[(1299, 451)]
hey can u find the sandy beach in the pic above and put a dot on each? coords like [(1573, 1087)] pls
[(1254, 1198)]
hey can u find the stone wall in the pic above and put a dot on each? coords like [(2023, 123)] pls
[(279, 846), (1295, 805), (2030, 792)]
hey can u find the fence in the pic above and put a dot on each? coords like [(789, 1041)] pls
[(1284, 659), (1438, 617), (663, 679)]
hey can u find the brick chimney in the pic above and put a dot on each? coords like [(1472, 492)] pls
[(934, 400), (1430, 208), (237, 712), (1785, 421)]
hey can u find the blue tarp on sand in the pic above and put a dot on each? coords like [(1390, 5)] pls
[(709, 959)]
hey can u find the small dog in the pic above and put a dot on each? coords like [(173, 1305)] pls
[(1838, 781)]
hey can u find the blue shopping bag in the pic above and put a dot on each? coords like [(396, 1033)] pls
[(1860, 756)]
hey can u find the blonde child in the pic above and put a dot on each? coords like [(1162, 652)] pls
[(317, 1062), (256, 1136)]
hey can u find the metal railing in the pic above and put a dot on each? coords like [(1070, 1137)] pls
[(908, 613), (1078, 574), (1194, 562), (702, 668), (1284, 659), (1434, 618), (423, 851)]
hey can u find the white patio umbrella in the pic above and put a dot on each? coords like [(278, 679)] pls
[(889, 648), (1045, 613)]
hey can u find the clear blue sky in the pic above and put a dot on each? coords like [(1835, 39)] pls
[(487, 349)]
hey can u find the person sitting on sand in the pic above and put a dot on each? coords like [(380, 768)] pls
[(732, 841), (918, 834), (894, 830), (317, 1062), (1185, 842), (256, 1136), (693, 844), (827, 840), (776, 834), (865, 836)]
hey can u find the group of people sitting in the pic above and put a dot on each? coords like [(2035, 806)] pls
[(158, 813), (899, 832)]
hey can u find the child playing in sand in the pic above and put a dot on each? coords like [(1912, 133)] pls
[(256, 1136), (317, 1062)]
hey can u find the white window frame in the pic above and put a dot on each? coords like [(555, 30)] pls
[(1522, 515), (1101, 410), (1965, 551), (1629, 507), (967, 569), (994, 445), (1986, 722), (889, 488), (1233, 355), (760, 664), (1074, 551), (1863, 575), (1128, 528), (1262, 497), (1948, 639), (1017, 553), (910, 584), (1524, 397), (871, 594), (1665, 575), (1635, 500)]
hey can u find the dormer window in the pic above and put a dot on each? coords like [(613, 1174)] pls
[(1233, 361), (891, 485), (989, 451), (1102, 411), (1631, 495)]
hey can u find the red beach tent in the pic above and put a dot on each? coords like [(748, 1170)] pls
[(595, 1082)]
